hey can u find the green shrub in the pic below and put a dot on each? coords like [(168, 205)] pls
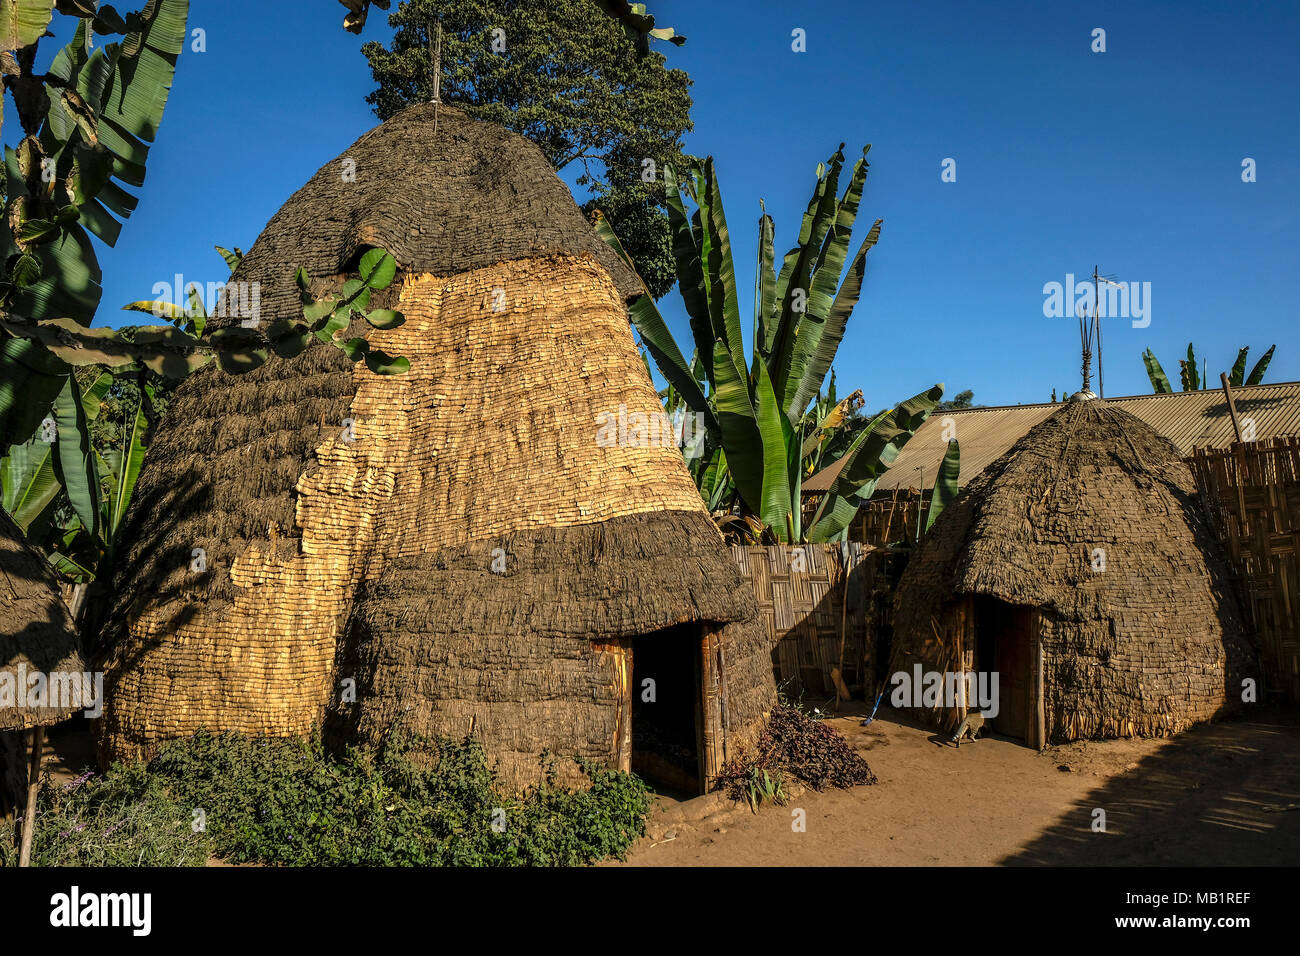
[(410, 803)]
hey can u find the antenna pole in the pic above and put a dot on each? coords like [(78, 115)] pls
[(435, 54), (435, 50), (1096, 318)]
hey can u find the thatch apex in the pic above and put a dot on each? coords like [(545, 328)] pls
[(445, 194), (1091, 476)]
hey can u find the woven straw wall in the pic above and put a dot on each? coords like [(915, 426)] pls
[(1252, 491)]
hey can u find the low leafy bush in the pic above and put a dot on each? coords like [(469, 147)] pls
[(411, 802)]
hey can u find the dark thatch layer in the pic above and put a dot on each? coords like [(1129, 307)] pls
[(1148, 646), (445, 644), (36, 632), (469, 196)]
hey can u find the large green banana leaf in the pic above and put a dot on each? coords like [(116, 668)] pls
[(30, 378), (107, 108), (1257, 373), (738, 421), (1159, 381), (690, 271), (776, 436), (76, 458), (869, 457), (1238, 374), (819, 340), (719, 269), (797, 269), (835, 247), (29, 483), (945, 483)]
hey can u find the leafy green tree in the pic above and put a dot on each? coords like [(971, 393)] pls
[(568, 77), (963, 399)]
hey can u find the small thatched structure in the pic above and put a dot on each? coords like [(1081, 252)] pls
[(452, 547), (1080, 568), (39, 660)]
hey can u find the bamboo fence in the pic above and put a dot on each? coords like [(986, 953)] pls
[(1252, 492), (815, 621)]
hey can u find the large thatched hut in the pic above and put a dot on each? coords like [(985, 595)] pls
[(1080, 568), (452, 548)]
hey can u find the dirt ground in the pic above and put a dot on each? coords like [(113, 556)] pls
[(1216, 795)]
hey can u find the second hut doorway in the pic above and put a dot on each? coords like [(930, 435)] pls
[(1006, 638)]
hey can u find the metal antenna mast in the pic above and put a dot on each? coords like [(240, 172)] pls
[(435, 54), (1097, 279)]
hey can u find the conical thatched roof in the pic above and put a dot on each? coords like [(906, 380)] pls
[(464, 549), (36, 633), (469, 195), (1092, 519)]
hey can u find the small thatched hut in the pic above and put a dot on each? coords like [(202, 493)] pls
[(41, 669), (453, 547), (1080, 568)]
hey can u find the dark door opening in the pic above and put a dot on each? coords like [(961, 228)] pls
[(1005, 644), (666, 707)]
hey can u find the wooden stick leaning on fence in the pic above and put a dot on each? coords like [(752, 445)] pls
[(838, 674)]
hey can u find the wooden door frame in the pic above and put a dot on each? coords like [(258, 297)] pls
[(1035, 729), (710, 703)]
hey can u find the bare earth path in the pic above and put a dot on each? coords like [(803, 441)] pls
[(1213, 796)]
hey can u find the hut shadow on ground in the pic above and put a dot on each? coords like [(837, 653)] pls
[(1213, 796)]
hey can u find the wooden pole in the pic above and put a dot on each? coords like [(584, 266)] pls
[(435, 54), (844, 616), (1040, 708), (889, 520), (33, 784), (435, 44), (1232, 405)]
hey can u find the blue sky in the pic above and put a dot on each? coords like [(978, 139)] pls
[(1065, 158)]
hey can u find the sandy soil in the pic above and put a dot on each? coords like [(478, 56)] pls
[(1213, 796)]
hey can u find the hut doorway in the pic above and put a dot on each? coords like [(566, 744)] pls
[(1006, 643), (666, 708), (663, 706)]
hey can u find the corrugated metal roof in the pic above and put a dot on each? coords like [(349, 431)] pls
[(1188, 419)]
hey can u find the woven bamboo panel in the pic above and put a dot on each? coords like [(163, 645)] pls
[(801, 601), (1252, 491)]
